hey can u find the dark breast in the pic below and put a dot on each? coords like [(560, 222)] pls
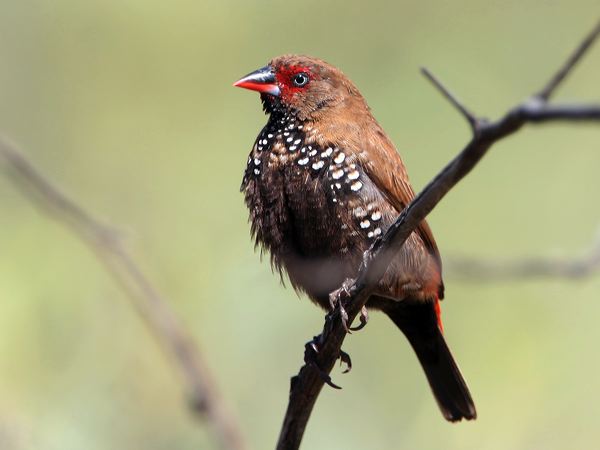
[(311, 206)]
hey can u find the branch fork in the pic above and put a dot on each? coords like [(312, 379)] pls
[(308, 383)]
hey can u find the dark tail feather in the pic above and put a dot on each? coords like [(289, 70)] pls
[(419, 323)]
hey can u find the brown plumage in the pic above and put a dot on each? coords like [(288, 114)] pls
[(323, 180)]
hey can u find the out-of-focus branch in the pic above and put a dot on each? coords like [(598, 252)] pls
[(487, 269), (306, 386), (200, 387)]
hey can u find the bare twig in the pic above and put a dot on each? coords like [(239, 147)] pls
[(562, 73), (468, 115), (305, 386), (104, 241), (480, 269)]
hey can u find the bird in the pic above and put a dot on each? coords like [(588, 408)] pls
[(322, 182)]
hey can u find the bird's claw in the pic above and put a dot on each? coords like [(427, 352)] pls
[(336, 301), (363, 318), (311, 349), (344, 317), (345, 359)]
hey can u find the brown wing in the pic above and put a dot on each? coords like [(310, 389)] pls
[(386, 169)]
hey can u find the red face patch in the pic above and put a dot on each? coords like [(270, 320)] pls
[(293, 79)]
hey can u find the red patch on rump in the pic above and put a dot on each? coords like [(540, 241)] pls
[(438, 314)]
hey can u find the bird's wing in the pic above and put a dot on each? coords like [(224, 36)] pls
[(383, 165)]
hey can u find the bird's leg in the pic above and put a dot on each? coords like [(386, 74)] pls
[(336, 301), (311, 349), (363, 318)]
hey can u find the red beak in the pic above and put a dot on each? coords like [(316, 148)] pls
[(261, 80)]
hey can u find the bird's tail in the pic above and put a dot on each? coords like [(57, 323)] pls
[(420, 324)]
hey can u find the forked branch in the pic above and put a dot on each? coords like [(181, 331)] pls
[(306, 386)]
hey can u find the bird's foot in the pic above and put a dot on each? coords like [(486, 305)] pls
[(336, 301), (311, 350), (363, 318), (345, 359)]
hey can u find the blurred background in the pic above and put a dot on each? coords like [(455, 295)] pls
[(128, 106)]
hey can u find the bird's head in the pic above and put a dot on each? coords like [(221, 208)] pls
[(306, 87)]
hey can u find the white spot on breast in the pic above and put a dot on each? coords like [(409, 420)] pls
[(269, 135), (293, 148), (256, 172), (297, 141), (339, 158), (287, 133), (303, 161), (256, 162), (312, 152), (338, 185), (356, 186), (290, 139), (377, 231), (353, 175), (376, 216), (365, 224), (264, 142), (370, 234), (360, 212), (318, 165), (337, 174), (327, 153)]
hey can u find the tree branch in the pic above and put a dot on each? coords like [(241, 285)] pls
[(468, 115), (567, 67), (306, 386), (104, 241), (480, 269)]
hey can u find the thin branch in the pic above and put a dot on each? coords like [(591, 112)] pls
[(567, 67), (305, 386), (468, 115), (104, 241), (534, 111), (478, 269)]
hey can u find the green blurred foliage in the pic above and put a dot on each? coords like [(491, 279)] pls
[(128, 106)]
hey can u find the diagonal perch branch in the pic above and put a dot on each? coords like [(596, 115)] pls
[(104, 241), (306, 386)]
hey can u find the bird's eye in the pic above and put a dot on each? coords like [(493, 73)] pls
[(300, 79)]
